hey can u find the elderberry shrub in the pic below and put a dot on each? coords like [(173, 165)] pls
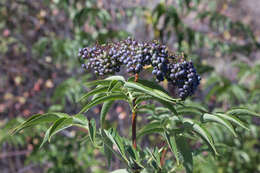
[(107, 59)]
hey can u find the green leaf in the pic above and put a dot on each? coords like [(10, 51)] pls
[(188, 111), (117, 141), (112, 85), (152, 127), (80, 119), (185, 152), (233, 119), (92, 130), (46, 137), (152, 92), (105, 82), (173, 146), (150, 84), (202, 131), (97, 82), (108, 146), (120, 171), (117, 78), (59, 125), (156, 157), (241, 111), (196, 106), (169, 106), (99, 100), (213, 118), (39, 119), (105, 108), (108, 143), (97, 90), (142, 98)]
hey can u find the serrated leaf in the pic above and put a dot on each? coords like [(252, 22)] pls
[(99, 100), (169, 106), (112, 85), (233, 119), (46, 137), (97, 82), (59, 125), (109, 145), (117, 78), (241, 111), (80, 119), (39, 119), (120, 171), (185, 152), (142, 98), (173, 146), (97, 90), (107, 150), (155, 157), (92, 130), (117, 141), (202, 131), (105, 108), (152, 92), (152, 127), (150, 84), (196, 106), (188, 111), (213, 118)]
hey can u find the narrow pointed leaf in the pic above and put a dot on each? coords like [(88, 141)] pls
[(59, 125), (92, 130), (97, 90), (39, 119), (185, 152), (152, 92), (152, 127), (188, 111), (202, 131), (97, 82), (173, 146), (117, 78), (233, 119), (150, 84), (117, 141), (242, 111), (99, 100), (105, 108), (108, 142), (169, 106), (80, 119), (46, 137), (213, 118), (112, 85), (120, 171)]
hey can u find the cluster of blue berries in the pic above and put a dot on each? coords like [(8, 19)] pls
[(103, 59), (107, 59)]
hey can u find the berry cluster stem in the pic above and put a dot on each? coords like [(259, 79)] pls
[(134, 116)]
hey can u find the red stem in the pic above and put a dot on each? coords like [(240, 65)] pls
[(134, 116)]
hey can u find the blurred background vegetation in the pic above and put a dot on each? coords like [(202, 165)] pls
[(40, 72)]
